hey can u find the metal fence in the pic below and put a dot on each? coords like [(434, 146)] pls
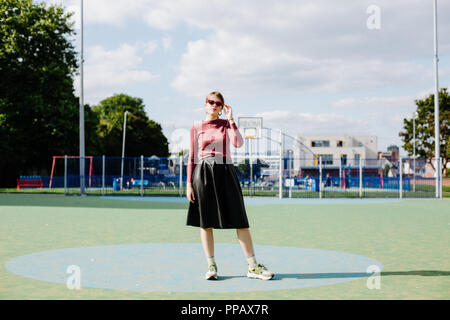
[(260, 175)]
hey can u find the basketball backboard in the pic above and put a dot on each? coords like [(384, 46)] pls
[(251, 127)]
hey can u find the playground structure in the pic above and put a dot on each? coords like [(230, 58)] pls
[(65, 166)]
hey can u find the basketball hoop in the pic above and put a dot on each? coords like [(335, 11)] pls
[(250, 133), (251, 126)]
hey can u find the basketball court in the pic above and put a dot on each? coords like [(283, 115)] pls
[(140, 248)]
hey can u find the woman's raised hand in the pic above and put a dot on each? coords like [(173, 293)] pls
[(229, 112)]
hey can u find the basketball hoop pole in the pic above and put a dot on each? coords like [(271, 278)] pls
[(252, 127), (82, 149), (437, 152)]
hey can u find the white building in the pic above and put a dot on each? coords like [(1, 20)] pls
[(333, 148), (306, 150)]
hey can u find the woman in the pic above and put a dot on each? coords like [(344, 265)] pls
[(213, 189)]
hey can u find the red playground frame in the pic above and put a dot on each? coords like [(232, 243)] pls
[(71, 157)]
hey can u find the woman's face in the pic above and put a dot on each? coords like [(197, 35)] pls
[(212, 109)]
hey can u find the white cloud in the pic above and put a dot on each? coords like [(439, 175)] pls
[(167, 42), (309, 47), (383, 103), (269, 47), (314, 123), (247, 65), (109, 71), (289, 46), (148, 47), (374, 102), (160, 19), (111, 12), (179, 140)]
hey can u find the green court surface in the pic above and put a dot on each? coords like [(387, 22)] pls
[(409, 237)]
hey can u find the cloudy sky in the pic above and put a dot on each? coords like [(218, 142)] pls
[(307, 67)]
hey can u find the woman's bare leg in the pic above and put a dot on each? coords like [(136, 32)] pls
[(245, 239), (207, 237), (255, 270)]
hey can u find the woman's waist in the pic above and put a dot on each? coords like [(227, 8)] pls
[(218, 158)]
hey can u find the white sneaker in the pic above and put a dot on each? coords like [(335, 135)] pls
[(211, 274), (259, 272)]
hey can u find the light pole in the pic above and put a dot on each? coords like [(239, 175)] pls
[(437, 151), (123, 147), (82, 149)]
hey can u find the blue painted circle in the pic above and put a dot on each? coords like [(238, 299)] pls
[(180, 267)]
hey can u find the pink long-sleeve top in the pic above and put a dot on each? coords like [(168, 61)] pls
[(212, 138)]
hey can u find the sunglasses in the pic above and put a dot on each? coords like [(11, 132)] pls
[(212, 102)]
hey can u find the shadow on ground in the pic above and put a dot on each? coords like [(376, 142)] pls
[(424, 273)]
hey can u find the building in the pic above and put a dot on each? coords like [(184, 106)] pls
[(336, 151), (339, 153), (391, 154)]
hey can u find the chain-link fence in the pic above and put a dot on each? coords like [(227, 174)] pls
[(260, 175), (341, 178)]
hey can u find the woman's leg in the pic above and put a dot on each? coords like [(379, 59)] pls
[(255, 270), (245, 239), (208, 246), (207, 237)]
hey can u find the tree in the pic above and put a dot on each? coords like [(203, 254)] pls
[(143, 136), (38, 109), (244, 167), (425, 129), (183, 152)]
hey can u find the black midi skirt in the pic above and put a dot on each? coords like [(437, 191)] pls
[(218, 196)]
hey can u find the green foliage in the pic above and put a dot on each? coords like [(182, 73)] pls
[(38, 110), (143, 136), (39, 113), (244, 166), (425, 128)]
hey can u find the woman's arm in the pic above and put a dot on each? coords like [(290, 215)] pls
[(234, 134), (192, 155)]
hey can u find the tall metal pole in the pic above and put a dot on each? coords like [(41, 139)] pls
[(320, 177), (360, 178), (290, 169), (400, 182), (103, 174), (123, 148), (82, 150), (65, 174), (437, 151), (414, 151), (280, 173), (181, 175), (251, 166), (142, 175)]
